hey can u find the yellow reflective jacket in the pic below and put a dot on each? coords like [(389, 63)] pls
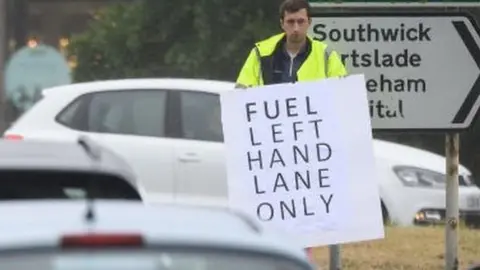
[(320, 63)]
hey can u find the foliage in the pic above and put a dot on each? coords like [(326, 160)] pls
[(152, 38), (108, 49)]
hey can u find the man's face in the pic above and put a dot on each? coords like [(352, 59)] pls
[(296, 25)]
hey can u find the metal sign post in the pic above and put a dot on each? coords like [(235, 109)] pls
[(452, 146), (335, 260), (412, 59)]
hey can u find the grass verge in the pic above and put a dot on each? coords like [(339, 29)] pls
[(419, 248)]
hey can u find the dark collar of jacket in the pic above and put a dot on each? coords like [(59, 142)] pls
[(276, 67)]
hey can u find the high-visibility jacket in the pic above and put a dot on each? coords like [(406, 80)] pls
[(321, 62)]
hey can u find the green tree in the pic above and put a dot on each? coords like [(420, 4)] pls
[(181, 38)]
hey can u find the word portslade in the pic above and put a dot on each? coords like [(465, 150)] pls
[(384, 51)]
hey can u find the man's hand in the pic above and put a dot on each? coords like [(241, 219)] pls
[(240, 86)]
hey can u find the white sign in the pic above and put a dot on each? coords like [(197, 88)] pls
[(422, 71), (30, 70), (300, 158)]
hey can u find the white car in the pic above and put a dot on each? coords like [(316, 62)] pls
[(412, 186), (38, 170), (127, 235), (169, 130)]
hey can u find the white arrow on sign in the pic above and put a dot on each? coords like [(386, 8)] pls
[(422, 70)]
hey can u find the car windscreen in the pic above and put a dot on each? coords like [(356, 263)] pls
[(148, 260), (43, 184)]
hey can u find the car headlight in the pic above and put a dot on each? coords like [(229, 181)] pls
[(418, 177)]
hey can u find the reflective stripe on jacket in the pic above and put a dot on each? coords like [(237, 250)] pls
[(320, 63)]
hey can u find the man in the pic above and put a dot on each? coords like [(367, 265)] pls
[(290, 56)]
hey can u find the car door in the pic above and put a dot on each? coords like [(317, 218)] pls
[(199, 151), (133, 124)]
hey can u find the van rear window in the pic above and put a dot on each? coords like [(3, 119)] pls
[(32, 184)]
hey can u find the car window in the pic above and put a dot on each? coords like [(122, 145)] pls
[(139, 112), (129, 112), (149, 260), (201, 116), (32, 184), (67, 117), (466, 180)]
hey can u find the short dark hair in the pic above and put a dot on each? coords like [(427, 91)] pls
[(292, 6)]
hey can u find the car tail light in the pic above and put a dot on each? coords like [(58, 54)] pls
[(309, 252), (13, 137), (102, 240)]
